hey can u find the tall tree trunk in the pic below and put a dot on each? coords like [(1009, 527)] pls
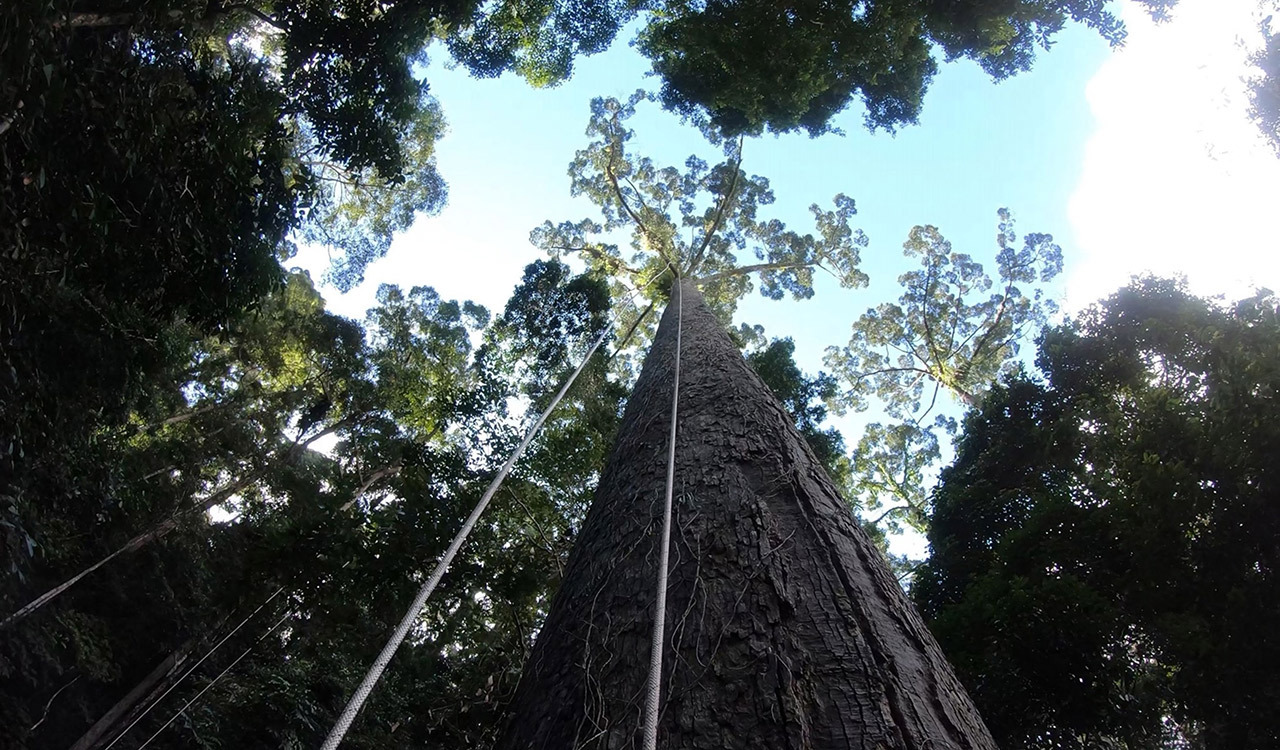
[(785, 628)]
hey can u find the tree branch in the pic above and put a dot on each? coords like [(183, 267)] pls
[(744, 270), (928, 330), (49, 704), (537, 526), (90, 20), (937, 385), (885, 514), (895, 487), (887, 370), (1004, 301), (181, 417), (386, 471), (644, 229), (632, 329), (258, 14), (956, 319), (603, 257), (719, 216)]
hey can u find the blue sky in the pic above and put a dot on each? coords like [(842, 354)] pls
[(979, 146), (1133, 159)]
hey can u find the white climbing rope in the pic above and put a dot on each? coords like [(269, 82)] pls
[(193, 668), (415, 609), (380, 664), (214, 681), (650, 736)]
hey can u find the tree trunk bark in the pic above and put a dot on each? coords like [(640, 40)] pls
[(785, 628)]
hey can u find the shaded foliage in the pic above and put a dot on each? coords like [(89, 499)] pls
[(1104, 547), (128, 234), (419, 427)]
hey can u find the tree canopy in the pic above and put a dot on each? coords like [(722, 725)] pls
[(754, 65), (951, 333), (691, 223), (203, 470), (1104, 546)]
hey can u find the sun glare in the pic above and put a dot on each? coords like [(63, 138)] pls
[(1176, 178)]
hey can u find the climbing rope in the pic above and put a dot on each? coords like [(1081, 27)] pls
[(415, 609), (193, 668), (650, 736), (411, 616)]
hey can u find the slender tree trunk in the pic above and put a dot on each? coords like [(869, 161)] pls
[(125, 705), (182, 417), (158, 531), (384, 472), (162, 529), (785, 628)]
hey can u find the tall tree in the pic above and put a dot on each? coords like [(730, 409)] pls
[(951, 333), (690, 223), (784, 623)]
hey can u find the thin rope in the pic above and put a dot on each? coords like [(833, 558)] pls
[(380, 664), (650, 737), (214, 681), (193, 668)]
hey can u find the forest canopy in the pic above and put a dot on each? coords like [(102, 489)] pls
[(217, 496), (1104, 545)]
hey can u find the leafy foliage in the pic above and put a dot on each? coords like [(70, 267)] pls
[(954, 329), (146, 196), (937, 333), (359, 211), (538, 39), (1265, 85), (421, 425), (715, 206), (1104, 545), (172, 397), (756, 65)]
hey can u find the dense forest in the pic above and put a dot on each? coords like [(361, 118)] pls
[(218, 498)]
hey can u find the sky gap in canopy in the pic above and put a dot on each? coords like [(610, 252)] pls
[(1132, 159), (1089, 146)]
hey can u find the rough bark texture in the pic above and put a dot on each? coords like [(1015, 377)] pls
[(785, 627)]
